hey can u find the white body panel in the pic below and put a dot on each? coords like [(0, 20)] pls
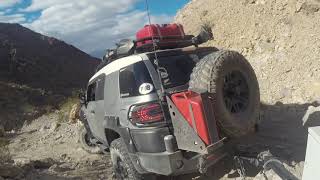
[(312, 162), (117, 65)]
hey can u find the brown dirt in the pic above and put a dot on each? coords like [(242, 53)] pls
[(49, 149), (281, 41)]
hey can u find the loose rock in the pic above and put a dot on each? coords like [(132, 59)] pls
[(74, 113), (54, 126), (43, 164), (10, 171), (2, 131)]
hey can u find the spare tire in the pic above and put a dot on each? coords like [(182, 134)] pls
[(231, 80)]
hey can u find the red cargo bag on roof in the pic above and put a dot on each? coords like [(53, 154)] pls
[(166, 36)]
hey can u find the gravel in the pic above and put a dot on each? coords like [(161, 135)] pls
[(281, 40)]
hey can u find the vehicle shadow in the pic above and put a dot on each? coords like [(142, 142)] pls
[(280, 131)]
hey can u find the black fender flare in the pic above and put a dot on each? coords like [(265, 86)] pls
[(112, 123)]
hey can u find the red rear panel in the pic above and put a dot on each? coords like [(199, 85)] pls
[(183, 101)]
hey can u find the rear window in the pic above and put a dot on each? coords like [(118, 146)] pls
[(133, 77), (176, 70)]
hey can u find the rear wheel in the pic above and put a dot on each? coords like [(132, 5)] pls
[(121, 162), (235, 90)]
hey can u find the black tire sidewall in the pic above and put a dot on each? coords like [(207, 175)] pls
[(243, 122), (118, 149), (90, 149), (209, 75)]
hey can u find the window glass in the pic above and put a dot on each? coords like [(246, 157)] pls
[(132, 77), (91, 93), (100, 88)]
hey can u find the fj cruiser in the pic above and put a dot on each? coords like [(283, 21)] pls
[(163, 105)]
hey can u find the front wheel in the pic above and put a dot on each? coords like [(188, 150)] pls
[(86, 142), (121, 162)]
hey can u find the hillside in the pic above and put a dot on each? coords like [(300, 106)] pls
[(281, 40), (42, 62), (37, 74)]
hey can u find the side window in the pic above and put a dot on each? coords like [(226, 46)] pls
[(91, 92), (100, 88), (132, 77)]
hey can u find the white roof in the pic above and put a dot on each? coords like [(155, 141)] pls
[(315, 133), (117, 65)]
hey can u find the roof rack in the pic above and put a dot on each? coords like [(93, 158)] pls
[(127, 47)]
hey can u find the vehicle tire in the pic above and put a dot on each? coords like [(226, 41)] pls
[(231, 80), (85, 141), (121, 162)]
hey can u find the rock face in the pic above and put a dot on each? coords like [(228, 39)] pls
[(32, 59), (279, 38)]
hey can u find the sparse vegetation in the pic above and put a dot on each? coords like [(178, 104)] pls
[(66, 107), (4, 151)]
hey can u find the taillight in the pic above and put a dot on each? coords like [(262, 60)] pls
[(147, 113)]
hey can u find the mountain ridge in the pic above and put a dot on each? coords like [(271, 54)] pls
[(40, 61)]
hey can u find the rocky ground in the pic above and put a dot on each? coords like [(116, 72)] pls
[(49, 149), (281, 40)]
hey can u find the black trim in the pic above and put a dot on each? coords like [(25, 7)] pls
[(124, 132), (149, 140), (201, 51)]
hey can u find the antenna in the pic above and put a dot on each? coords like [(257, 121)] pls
[(156, 61), (149, 19)]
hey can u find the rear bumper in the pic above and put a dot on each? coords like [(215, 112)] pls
[(149, 140), (175, 163), (153, 155)]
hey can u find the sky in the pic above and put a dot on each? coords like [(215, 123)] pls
[(91, 25)]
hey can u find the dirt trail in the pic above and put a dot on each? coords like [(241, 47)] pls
[(46, 149)]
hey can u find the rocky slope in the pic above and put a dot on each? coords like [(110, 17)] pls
[(280, 38), (281, 41), (37, 73)]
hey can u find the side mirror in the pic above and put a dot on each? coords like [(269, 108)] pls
[(82, 98), (205, 35)]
